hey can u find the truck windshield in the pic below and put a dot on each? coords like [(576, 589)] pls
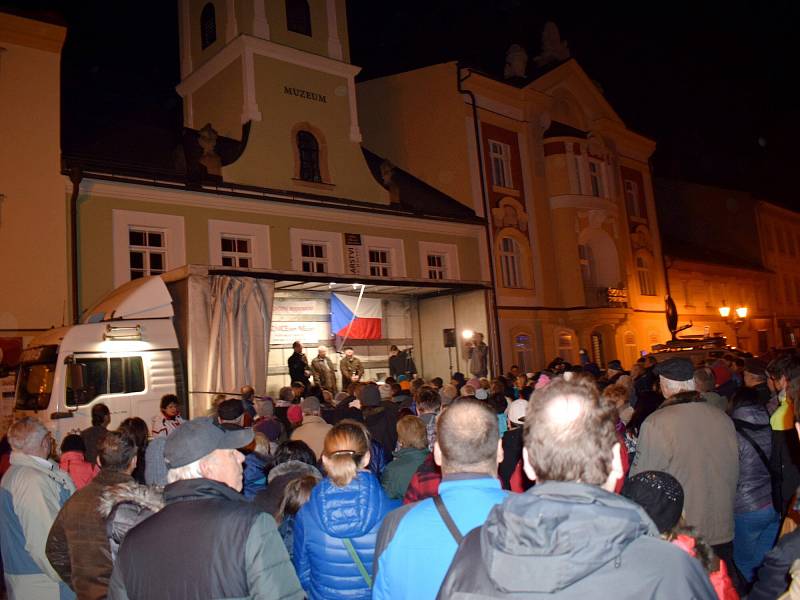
[(35, 382)]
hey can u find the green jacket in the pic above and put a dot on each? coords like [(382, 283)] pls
[(351, 366), (398, 473)]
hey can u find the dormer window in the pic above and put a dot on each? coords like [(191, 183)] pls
[(298, 17), (208, 26)]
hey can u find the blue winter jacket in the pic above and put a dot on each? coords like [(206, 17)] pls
[(332, 513), (415, 548)]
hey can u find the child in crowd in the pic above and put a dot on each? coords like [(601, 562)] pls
[(661, 495), (73, 461)]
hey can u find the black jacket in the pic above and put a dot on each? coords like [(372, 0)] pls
[(773, 576), (382, 425), (512, 455), (298, 365), (207, 542), (563, 540), (401, 364)]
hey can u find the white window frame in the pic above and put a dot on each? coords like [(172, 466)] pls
[(647, 284), (631, 191), (596, 178), (332, 239), (502, 153), (511, 265), (394, 246), (449, 251), (258, 235), (174, 240)]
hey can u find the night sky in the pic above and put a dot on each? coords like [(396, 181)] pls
[(715, 84)]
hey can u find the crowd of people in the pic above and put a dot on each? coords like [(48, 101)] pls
[(671, 480)]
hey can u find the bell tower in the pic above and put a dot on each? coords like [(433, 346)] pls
[(283, 67)]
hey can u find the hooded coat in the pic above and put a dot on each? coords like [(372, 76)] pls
[(570, 540), (332, 514), (124, 506)]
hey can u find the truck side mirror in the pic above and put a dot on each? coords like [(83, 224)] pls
[(77, 377)]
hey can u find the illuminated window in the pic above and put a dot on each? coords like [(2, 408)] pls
[(147, 252), (298, 16), (646, 285), (500, 156), (236, 251), (208, 26), (308, 148), (510, 261), (379, 262), (596, 178), (315, 257), (437, 264)]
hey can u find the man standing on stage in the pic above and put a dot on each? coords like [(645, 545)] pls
[(477, 352), (323, 370), (400, 363), (352, 369), (298, 365)]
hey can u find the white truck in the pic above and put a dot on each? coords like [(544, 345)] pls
[(169, 334)]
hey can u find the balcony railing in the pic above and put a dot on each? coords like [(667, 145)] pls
[(605, 297)]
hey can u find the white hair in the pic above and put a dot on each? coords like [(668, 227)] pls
[(322, 348), (26, 435), (190, 471), (670, 387)]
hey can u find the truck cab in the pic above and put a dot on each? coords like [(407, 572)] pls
[(124, 354)]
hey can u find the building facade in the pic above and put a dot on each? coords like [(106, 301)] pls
[(716, 264), (271, 180), (565, 186), (33, 209)]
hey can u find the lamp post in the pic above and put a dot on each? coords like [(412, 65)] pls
[(736, 319)]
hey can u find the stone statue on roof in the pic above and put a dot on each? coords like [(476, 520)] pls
[(554, 49), (516, 62)]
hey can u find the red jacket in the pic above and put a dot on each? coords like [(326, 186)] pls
[(81, 471)]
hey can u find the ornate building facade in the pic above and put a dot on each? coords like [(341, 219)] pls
[(566, 188)]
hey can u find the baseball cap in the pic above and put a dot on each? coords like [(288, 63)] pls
[(517, 410), (200, 437)]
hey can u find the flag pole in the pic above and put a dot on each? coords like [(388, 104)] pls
[(355, 314)]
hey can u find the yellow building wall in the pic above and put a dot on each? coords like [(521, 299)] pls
[(220, 102), (34, 251), (96, 243), (316, 44), (419, 121), (269, 159)]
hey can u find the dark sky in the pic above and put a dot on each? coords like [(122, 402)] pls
[(715, 84)]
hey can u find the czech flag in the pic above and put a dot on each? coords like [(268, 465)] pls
[(366, 324)]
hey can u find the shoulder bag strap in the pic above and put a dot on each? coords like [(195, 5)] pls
[(761, 454), (354, 555), (448, 520)]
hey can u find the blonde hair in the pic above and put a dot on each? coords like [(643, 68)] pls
[(346, 445), (412, 433)]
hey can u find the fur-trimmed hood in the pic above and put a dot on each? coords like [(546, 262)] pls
[(147, 497)]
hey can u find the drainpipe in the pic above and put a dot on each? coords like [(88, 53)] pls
[(75, 176), (494, 318)]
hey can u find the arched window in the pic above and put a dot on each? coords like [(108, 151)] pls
[(308, 148), (510, 263), (647, 286), (298, 16), (208, 26)]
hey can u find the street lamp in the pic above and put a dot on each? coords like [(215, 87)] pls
[(735, 321)]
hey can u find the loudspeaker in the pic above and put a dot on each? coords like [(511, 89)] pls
[(449, 338)]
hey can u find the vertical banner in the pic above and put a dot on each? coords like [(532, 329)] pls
[(353, 253)]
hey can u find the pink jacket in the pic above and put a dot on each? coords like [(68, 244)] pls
[(81, 471)]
